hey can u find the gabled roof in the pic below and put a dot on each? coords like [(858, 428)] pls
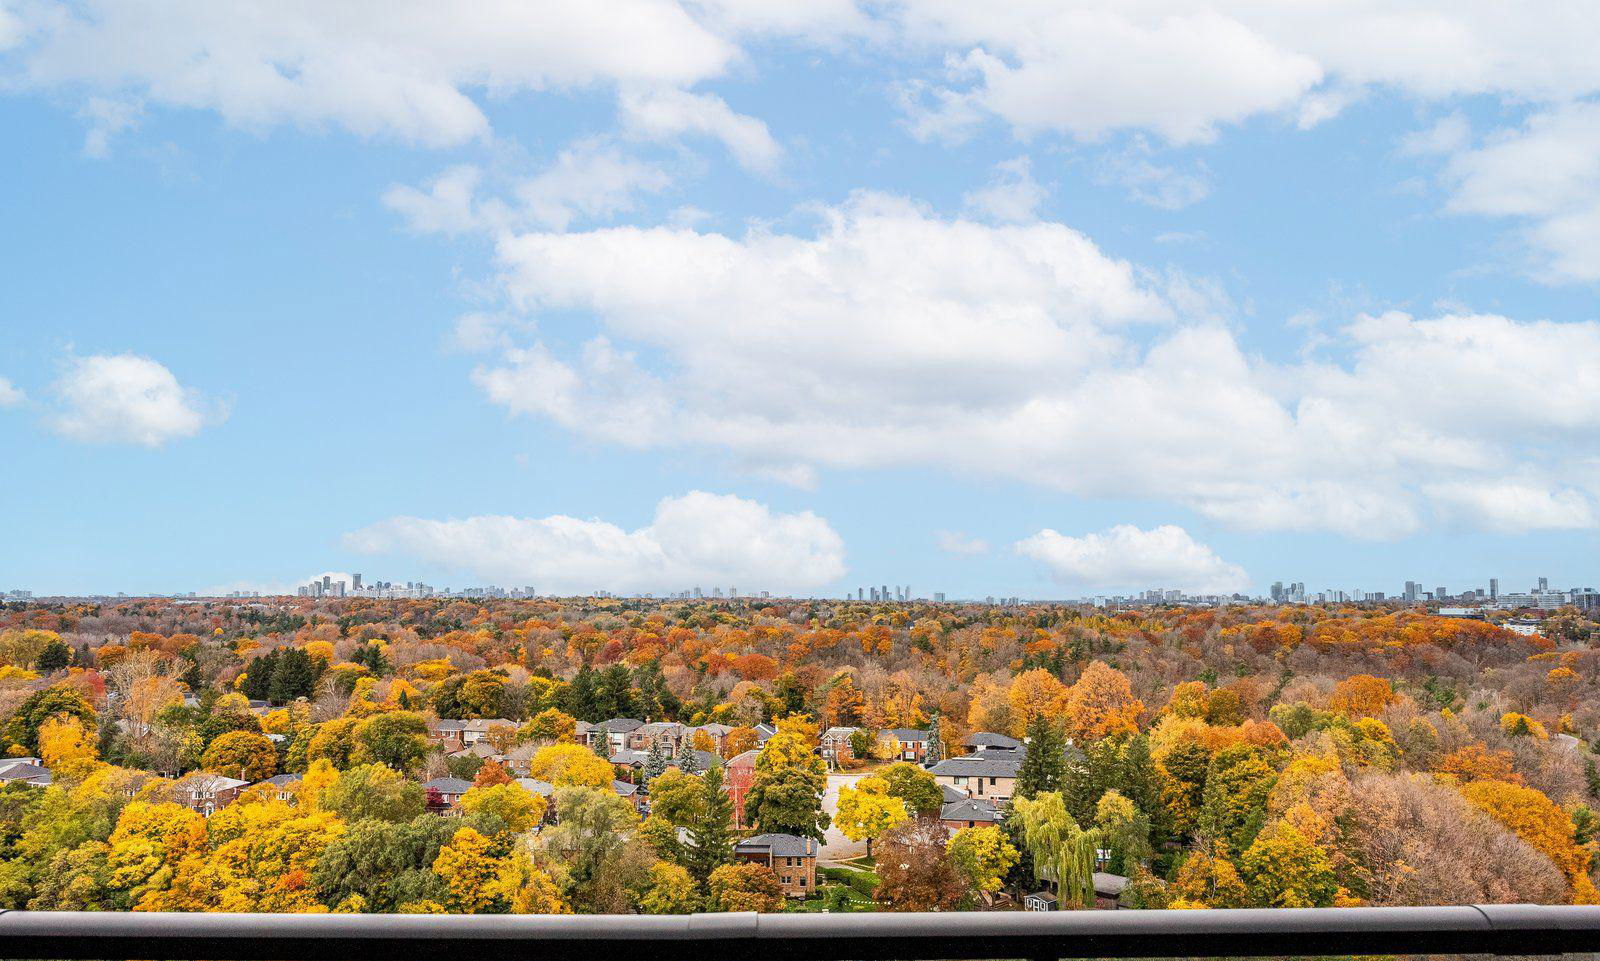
[(952, 794), (630, 757), (624, 789), (279, 780), (1004, 765), (621, 725), (740, 759), (24, 771), (970, 809), (206, 781), (659, 727), (907, 734), (778, 845), (1109, 885), (714, 729), (838, 732), (448, 785), (536, 786), (703, 760), (988, 739)]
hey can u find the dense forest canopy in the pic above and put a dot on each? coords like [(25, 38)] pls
[(1246, 755)]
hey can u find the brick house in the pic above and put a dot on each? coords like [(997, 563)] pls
[(905, 744), (206, 793), (793, 859), (444, 793), (969, 813), (992, 777), (835, 743)]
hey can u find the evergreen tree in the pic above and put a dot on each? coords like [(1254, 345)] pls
[(655, 763), (789, 695), (294, 676), (686, 760), (1044, 765), (710, 843), (578, 697), (602, 742), (54, 657), (935, 752), (614, 692)]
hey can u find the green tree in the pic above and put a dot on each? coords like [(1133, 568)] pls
[(1044, 765), (787, 800), (396, 738), (709, 844), (1282, 869), (23, 728), (914, 786), (669, 890), (374, 791), (983, 856), (1062, 852)]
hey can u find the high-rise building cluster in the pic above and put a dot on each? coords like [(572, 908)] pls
[(1540, 596), (883, 594)]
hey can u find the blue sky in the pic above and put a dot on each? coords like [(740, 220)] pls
[(797, 297)]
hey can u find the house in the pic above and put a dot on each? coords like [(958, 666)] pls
[(665, 733), (617, 730), (519, 759), (793, 859), (628, 792), (444, 793), (279, 787), (764, 732), (905, 744), (969, 813), (206, 793), (459, 735), (703, 761), (27, 770), (988, 741), (738, 774), (1039, 901), (1108, 890), (717, 732), (535, 786), (992, 777), (836, 745)]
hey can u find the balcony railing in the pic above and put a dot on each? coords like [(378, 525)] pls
[(1488, 929)]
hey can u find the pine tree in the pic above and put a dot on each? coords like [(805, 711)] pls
[(935, 752), (654, 764), (602, 742), (1044, 766), (686, 760), (710, 843)]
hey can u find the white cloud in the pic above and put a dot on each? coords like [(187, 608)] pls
[(955, 542), (1446, 135), (107, 118), (1127, 557), (125, 398), (698, 538), (590, 180), (663, 113), (1089, 67), (404, 69), (1163, 187), (1015, 351), (1011, 196), (10, 394), (1514, 507), (1546, 174)]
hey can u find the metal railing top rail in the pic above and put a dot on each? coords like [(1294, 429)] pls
[(1486, 929)]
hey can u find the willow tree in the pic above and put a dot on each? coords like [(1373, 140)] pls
[(1063, 853)]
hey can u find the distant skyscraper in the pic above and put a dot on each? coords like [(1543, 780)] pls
[(1277, 590), (1494, 588), (355, 582), (1544, 584), (1439, 594)]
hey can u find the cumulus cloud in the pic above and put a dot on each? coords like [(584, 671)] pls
[(1024, 352), (590, 180), (1545, 174), (127, 399), (1129, 558), (1011, 196), (664, 113), (1157, 185), (1090, 67), (955, 542), (698, 538), (10, 394), (404, 70)]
